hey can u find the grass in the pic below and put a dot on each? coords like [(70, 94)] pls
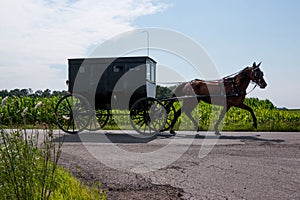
[(29, 159), (29, 169), (292, 111), (71, 188)]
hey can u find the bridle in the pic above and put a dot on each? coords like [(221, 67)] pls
[(256, 75)]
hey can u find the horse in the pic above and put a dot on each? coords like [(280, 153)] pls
[(227, 92)]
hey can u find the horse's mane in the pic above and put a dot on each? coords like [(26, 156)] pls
[(229, 77), (238, 78)]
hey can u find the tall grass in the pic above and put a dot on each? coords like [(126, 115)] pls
[(29, 157), (27, 168), (269, 117)]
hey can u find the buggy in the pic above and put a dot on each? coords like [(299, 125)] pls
[(98, 85)]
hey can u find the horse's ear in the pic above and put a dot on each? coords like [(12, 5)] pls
[(258, 65), (254, 65)]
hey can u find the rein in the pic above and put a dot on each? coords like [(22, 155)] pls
[(215, 80), (171, 83), (251, 89)]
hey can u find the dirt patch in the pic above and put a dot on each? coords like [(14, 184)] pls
[(118, 185), (154, 192)]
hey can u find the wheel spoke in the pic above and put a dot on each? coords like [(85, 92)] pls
[(72, 113), (148, 116), (100, 120)]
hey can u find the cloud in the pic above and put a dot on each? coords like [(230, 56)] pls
[(37, 35)]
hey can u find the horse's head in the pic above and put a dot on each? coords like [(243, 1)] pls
[(257, 76)]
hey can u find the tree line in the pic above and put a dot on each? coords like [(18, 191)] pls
[(29, 92), (161, 92)]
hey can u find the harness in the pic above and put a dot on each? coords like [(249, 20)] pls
[(238, 92), (231, 79)]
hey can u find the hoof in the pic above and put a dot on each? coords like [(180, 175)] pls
[(217, 132), (198, 129), (172, 132)]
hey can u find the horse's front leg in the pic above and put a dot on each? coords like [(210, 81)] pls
[(245, 107), (223, 112)]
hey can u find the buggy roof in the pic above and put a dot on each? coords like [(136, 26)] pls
[(136, 59)]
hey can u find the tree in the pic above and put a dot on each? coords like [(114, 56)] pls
[(24, 92), (163, 92), (4, 93), (46, 93), (38, 93), (15, 92)]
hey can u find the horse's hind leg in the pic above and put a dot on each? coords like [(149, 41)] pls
[(177, 114)]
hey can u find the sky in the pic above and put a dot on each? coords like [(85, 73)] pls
[(37, 37)]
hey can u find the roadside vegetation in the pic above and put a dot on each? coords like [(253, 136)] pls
[(29, 169), (36, 109), (29, 157)]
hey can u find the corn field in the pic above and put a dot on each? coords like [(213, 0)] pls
[(38, 112), (27, 110)]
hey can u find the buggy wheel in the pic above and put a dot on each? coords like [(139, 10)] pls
[(170, 115), (148, 116), (72, 113), (102, 117)]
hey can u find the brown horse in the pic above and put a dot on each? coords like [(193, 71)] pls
[(227, 92)]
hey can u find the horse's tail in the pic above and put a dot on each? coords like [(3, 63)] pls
[(177, 92)]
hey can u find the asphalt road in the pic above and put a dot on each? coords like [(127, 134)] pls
[(237, 165)]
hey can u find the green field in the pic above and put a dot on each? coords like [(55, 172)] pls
[(38, 112)]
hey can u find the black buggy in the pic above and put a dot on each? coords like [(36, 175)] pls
[(98, 85)]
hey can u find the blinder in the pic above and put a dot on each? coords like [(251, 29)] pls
[(258, 77)]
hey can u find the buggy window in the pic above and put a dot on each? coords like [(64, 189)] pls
[(150, 70)]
